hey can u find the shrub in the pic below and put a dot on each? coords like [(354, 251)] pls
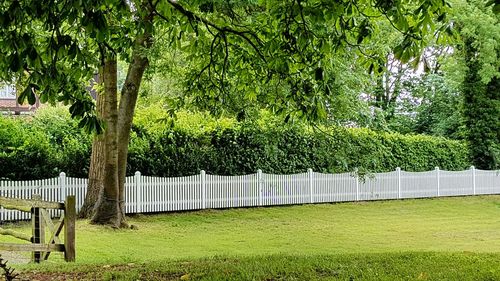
[(73, 146), (242, 148), (24, 153), (42, 146), (51, 142)]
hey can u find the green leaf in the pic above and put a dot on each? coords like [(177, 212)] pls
[(15, 64), (496, 8), (31, 96), (44, 98), (24, 95)]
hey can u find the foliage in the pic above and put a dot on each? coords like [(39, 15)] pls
[(25, 153), (234, 50), (440, 112), (454, 93), (274, 147), (43, 146), (481, 50), (8, 272), (430, 104), (196, 141), (482, 118), (478, 28), (390, 92), (66, 137)]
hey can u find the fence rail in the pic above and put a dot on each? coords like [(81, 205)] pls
[(146, 194)]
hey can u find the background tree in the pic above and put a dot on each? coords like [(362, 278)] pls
[(482, 113), (392, 89), (479, 52), (440, 111)]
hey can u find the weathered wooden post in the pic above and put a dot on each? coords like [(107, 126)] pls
[(69, 228), (38, 229)]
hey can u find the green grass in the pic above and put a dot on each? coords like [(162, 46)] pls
[(386, 266), (398, 238)]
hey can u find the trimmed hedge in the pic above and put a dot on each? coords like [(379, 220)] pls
[(24, 153), (42, 146), (50, 142), (290, 149)]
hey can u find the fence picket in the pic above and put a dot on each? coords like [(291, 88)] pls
[(438, 183)]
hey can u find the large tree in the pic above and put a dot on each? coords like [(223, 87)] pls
[(237, 50), (478, 60)]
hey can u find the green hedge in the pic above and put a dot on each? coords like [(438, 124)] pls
[(50, 142), (42, 146), (290, 149), (24, 153)]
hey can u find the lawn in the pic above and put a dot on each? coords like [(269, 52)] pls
[(428, 239)]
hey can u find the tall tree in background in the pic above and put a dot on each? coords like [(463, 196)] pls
[(240, 49), (479, 28), (391, 93), (482, 112), (440, 112)]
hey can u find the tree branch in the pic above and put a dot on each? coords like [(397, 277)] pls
[(223, 29)]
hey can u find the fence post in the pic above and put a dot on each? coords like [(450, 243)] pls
[(138, 191), (473, 170), (357, 183), (69, 228), (310, 173), (438, 183), (62, 186), (398, 170), (203, 189), (259, 185), (38, 229)]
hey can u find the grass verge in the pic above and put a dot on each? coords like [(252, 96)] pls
[(386, 266)]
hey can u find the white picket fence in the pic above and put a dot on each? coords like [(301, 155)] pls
[(145, 194)]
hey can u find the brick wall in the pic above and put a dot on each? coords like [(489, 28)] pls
[(11, 105)]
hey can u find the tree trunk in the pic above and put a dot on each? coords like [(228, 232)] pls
[(110, 208), (107, 208), (96, 170), (128, 101)]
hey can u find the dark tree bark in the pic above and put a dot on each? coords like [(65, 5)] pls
[(107, 208), (128, 101), (96, 170)]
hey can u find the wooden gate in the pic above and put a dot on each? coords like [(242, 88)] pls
[(41, 221)]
